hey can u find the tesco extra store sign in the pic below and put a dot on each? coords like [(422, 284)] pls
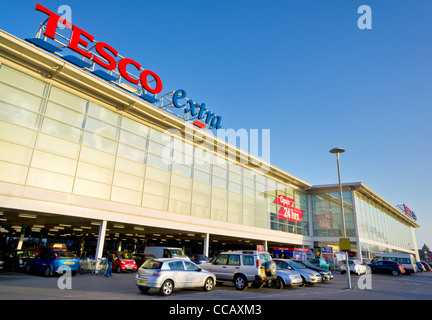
[(113, 68)]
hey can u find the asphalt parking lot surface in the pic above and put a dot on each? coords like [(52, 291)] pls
[(20, 286)]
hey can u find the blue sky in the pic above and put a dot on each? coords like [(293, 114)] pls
[(302, 69)]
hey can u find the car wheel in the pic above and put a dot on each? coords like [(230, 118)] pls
[(395, 273), (166, 288), (208, 284), (119, 270), (47, 272), (240, 282), (343, 271), (278, 283), (27, 268)]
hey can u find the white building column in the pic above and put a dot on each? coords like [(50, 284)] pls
[(265, 245), (101, 239), (206, 244)]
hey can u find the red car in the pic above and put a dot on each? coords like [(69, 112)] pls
[(427, 267), (140, 258), (124, 262)]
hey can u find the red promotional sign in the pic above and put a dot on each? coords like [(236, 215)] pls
[(325, 221), (407, 210), (287, 212)]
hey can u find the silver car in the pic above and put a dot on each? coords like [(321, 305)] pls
[(308, 276), (286, 277), (167, 274)]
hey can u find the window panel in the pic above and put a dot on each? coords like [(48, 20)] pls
[(102, 128), (104, 114), (131, 153), (61, 130), (99, 142), (20, 98), (133, 140), (13, 173), (21, 80), (64, 114), (17, 134), (92, 189), (19, 116), (51, 162), (154, 202), (126, 196), (68, 99), (49, 180), (135, 127)]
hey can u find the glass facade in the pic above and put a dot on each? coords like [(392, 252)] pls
[(377, 224), (52, 139), (327, 214)]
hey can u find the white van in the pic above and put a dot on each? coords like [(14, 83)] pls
[(404, 259), (166, 252)]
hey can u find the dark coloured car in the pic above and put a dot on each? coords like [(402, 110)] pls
[(199, 259), (50, 262), (420, 267), (325, 274), (16, 260), (140, 258), (391, 267), (2, 261)]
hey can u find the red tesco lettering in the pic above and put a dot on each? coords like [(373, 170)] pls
[(82, 39)]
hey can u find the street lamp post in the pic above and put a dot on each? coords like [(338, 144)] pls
[(337, 151)]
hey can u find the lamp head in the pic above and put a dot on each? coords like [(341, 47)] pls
[(337, 150)]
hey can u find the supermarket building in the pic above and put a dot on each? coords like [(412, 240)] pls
[(85, 161)]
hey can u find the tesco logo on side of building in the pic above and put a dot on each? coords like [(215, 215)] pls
[(84, 39)]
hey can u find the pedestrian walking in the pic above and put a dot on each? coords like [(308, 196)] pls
[(111, 257)]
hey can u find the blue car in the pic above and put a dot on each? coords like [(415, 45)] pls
[(199, 259), (50, 260)]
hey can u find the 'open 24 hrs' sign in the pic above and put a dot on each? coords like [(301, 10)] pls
[(288, 212)]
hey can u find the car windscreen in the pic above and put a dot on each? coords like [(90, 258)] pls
[(305, 264), (124, 255), (295, 265), (151, 265), (177, 253)]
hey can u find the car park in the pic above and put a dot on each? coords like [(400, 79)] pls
[(325, 274), (320, 263), (355, 266), (199, 259), (52, 261), (140, 258), (166, 274), (17, 259), (286, 278), (391, 267), (243, 268), (124, 262), (309, 276)]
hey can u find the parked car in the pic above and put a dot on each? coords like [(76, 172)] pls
[(166, 252), (285, 277), (16, 260), (2, 261), (387, 267), (420, 267), (427, 266), (199, 259), (406, 260), (166, 274), (325, 274), (355, 266), (309, 277), (243, 268), (320, 263), (124, 262), (140, 258), (49, 262)]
